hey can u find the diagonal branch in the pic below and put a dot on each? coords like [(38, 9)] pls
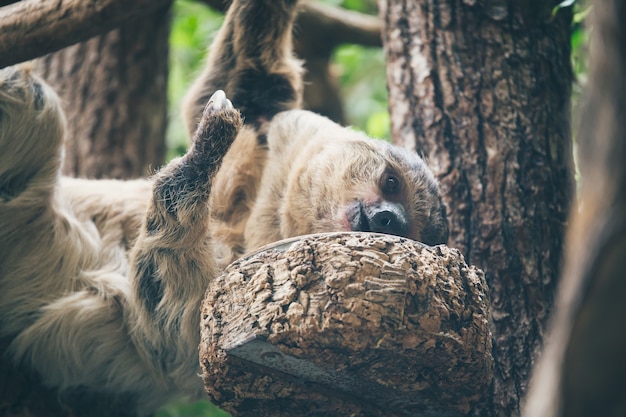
[(32, 28), (335, 26)]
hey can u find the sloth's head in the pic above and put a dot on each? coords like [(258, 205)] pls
[(362, 184)]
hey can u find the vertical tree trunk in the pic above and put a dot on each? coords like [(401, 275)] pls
[(114, 91), (482, 89), (583, 369)]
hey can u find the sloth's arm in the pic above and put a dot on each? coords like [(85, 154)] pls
[(172, 259), (251, 60)]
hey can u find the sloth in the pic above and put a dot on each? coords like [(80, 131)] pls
[(292, 172), (101, 280)]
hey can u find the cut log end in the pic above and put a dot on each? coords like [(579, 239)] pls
[(345, 324)]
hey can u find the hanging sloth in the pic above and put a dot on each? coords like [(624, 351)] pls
[(101, 280)]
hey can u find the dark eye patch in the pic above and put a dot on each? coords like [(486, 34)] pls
[(390, 184)]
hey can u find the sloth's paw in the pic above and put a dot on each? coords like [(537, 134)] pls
[(220, 113), (219, 126), (23, 97)]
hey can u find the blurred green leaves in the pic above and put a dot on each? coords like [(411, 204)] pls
[(362, 81), (186, 409), (193, 27), (580, 45)]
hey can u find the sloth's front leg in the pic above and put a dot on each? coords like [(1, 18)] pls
[(172, 259)]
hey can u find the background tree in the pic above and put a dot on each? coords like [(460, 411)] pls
[(483, 90), (114, 86), (583, 369), (117, 86)]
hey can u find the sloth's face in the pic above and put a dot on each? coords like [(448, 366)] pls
[(371, 186)]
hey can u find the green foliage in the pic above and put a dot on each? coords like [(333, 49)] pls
[(580, 46), (193, 28), (361, 75), (195, 409)]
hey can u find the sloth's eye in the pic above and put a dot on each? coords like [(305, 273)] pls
[(391, 184)]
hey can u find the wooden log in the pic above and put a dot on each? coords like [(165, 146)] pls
[(347, 324)]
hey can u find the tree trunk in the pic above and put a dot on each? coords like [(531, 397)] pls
[(583, 370), (482, 89), (114, 91)]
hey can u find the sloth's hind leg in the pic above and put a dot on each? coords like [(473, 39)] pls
[(172, 259)]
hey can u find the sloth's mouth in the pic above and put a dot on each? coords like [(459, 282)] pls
[(380, 217)]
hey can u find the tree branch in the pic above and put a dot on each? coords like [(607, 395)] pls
[(32, 28), (335, 26)]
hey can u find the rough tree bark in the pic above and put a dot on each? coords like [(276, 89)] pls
[(583, 369), (482, 89), (114, 88)]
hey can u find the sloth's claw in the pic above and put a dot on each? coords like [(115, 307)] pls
[(218, 101)]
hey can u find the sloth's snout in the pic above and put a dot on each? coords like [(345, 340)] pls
[(387, 221), (380, 217)]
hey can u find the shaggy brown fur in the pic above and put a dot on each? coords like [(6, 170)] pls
[(101, 281), (292, 172)]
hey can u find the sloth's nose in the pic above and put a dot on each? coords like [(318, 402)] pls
[(380, 217), (387, 221)]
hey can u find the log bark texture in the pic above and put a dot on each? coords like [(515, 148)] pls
[(583, 369), (32, 28), (482, 89), (114, 91), (347, 324)]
